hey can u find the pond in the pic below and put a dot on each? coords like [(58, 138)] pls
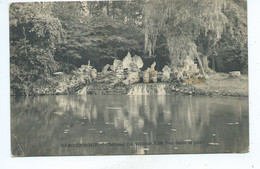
[(113, 125)]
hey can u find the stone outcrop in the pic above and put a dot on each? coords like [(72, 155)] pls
[(138, 61), (187, 70), (127, 61), (146, 77), (105, 70), (132, 74), (132, 67), (234, 74), (93, 73), (117, 64), (152, 73), (166, 73), (82, 76)]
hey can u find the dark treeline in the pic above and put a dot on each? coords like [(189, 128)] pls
[(61, 36)]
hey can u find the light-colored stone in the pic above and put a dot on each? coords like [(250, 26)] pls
[(187, 70), (146, 78), (105, 69), (133, 67), (116, 64), (166, 73), (152, 73), (194, 69), (127, 60), (153, 65), (133, 77), (234, 74), (120, 72), (94, 73), (138, 61), (153, 76)]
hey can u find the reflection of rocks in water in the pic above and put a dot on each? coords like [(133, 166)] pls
[(148, 89), (138, 89), (146, 119)]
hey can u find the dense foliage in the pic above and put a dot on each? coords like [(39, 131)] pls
[(61, 36), (34, 36)]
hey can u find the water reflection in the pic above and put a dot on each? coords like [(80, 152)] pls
[(140, 124)]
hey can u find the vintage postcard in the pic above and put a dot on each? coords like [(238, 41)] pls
[(129, 77)]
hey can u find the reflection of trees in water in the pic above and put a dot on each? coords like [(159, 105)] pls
[(230, 132), (31, 117), (39, 123)]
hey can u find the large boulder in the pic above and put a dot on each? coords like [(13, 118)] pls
[(133, 77), (150, 74), (194, 69), (166, 73), (186, 70), (117, 68), (146, 77), (153, 65), (120, 72), (153, 73), (133, 67), (234, 74), (127, 60), (93, 73), (105, 70), (138, 61), (132, 74), (116, 64)]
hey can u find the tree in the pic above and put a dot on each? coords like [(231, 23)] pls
[(34, 35), (192, 27), (95, 34), (232, 47)]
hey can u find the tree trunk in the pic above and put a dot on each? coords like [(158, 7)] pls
[(201, 67), (205, 63)]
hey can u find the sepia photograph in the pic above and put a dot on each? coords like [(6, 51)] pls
[(148, 77)]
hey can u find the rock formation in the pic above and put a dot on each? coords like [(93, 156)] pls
[(166, 73), (133, 67), (153, 73), (187, 70), (105, 70), (234, 74), (132, 74), (138, 61), (116, 65), (126, 61), (146, 78)]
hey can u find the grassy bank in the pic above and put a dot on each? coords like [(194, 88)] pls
[(218, 84)]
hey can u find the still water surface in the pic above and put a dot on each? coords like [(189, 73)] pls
[(99, 125)]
